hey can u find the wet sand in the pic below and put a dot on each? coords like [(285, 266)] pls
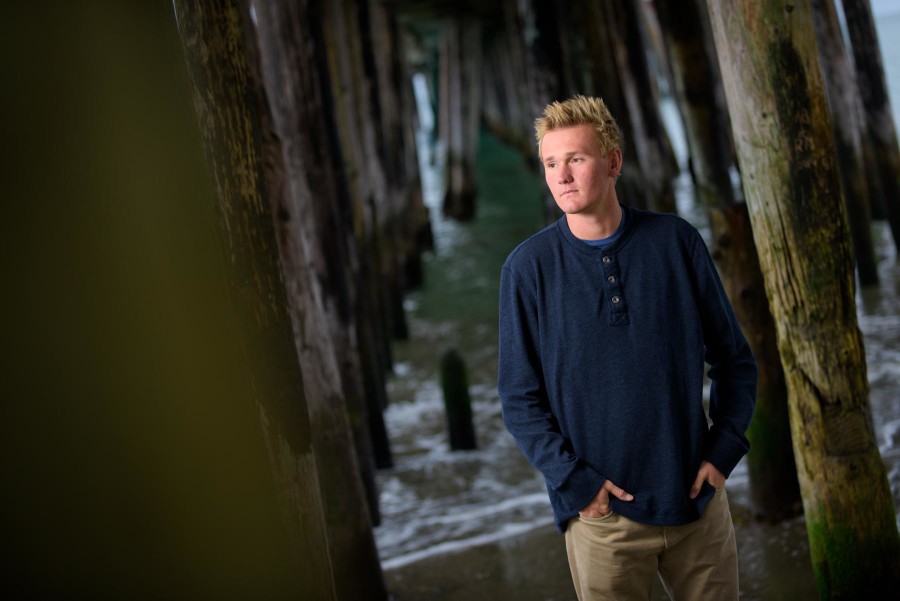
[(533, 567)]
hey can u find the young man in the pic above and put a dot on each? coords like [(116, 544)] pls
[(606, 319)]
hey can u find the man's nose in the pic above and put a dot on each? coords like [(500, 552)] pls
[(564, 175)]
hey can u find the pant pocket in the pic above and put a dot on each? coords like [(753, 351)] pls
[(597, 520)]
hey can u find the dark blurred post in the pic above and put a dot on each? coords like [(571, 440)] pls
[(846, 116), (364, 186), (602, 52), (457, 402), (150, 450), (459, 107), (658, 164), (769, 64), (698, 91), (506, 101), (408, 228), (884, 158)]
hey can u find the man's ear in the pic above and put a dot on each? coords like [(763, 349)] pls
[(615, 162)]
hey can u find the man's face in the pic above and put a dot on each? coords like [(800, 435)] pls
[(580, 177)]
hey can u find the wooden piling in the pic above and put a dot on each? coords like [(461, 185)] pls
[(458, 404)]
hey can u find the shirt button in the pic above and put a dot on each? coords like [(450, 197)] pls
[(611, 279), (615, 300), (606, 260)]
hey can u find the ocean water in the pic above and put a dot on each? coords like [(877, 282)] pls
[(435, 502)]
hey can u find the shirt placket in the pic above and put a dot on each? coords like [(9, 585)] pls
[(615, 295)]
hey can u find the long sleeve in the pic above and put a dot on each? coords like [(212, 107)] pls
[(733, 369), (526, 410)]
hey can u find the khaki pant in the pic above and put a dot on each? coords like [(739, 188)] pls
[(614, 558)]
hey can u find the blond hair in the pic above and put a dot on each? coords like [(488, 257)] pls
[(580, 110)]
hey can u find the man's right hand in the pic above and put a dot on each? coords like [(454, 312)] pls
[(599, 507)]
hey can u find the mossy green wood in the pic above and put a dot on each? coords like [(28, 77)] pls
[(767, 54), (214, 47)]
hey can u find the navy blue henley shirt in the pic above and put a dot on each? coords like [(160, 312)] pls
[(601, 365)]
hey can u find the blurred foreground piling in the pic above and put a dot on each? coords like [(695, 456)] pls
[(455, 384)]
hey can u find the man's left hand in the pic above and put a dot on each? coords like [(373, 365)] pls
[(707, 473)]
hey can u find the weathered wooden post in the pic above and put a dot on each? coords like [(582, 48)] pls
[(601, 52), (698, 92), (769, 64), (458, 404), (884, 156), (658, 158), (364, 185), (846, 117), (302, 189), (217, 59), (460, 112), (506, 102)]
